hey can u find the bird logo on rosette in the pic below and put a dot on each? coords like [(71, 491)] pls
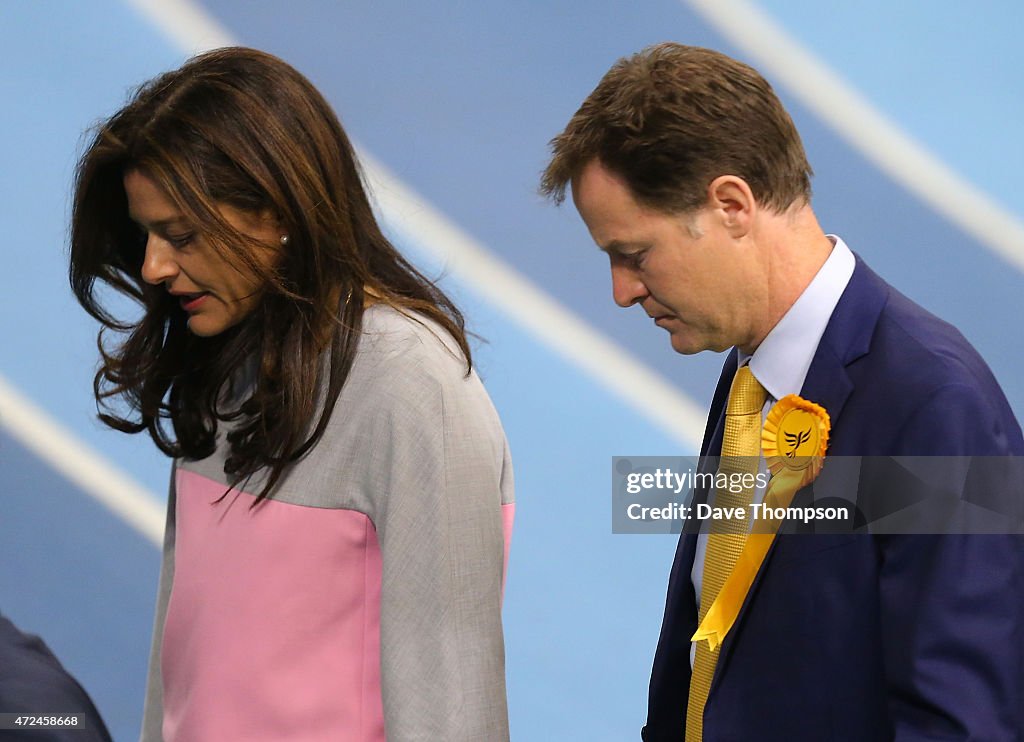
[(795, 440)]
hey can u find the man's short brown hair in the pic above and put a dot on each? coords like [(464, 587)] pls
[(671, 119)]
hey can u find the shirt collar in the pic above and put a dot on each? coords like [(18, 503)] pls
[(783, 358)]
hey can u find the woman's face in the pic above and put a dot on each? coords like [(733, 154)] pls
[(216, 294)]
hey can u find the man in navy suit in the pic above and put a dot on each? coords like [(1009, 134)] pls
[(690, 175)]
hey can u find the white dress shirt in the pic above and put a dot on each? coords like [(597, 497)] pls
[(780, 363)]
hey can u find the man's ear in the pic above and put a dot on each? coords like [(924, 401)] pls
[(732, 202)]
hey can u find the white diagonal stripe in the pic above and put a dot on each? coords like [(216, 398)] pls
[(555, 325), (81, 464), (185, 23), (880, 140)]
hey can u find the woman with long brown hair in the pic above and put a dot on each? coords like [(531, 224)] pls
[(341, 492)]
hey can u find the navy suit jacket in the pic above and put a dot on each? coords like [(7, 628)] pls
[(33, 682), (868, 637)]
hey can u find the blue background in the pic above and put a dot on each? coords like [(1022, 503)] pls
[(459, 100)]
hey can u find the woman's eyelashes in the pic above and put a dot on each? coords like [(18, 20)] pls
[(177, 240), (180, 241)]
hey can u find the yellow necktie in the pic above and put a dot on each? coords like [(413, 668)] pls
[(741, 449)]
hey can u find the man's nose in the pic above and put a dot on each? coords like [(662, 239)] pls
[(159, 264), (627, 288)]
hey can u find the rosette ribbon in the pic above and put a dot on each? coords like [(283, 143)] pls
[(794, 440)]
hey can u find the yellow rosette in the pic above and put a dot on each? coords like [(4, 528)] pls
[(794, 440), (795, 437)]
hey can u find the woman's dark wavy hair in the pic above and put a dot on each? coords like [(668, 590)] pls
[(239, 127)]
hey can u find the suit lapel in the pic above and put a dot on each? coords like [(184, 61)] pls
[(672, 659), (847, 338)]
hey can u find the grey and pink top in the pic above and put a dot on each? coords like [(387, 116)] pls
[(362, 601)]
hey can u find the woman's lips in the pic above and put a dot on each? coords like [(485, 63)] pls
[(191, 302)]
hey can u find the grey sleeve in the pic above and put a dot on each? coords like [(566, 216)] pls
[(444, 474), (153, 711)]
